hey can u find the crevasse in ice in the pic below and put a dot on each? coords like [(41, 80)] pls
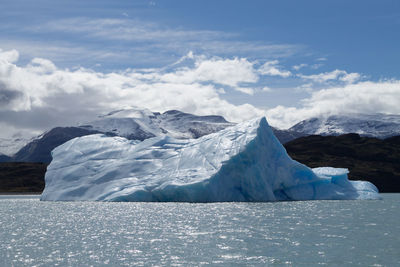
[(241, 163)]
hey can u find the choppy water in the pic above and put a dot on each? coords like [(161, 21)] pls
[(333, 233)]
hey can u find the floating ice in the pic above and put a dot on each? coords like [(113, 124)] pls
[(241, 163)]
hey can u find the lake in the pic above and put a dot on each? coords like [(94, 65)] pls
[(303, 233)]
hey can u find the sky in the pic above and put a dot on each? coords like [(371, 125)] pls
[(66, 62)]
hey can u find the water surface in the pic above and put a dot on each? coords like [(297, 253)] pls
[(333, 233)]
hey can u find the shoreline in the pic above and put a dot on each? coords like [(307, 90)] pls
[(20, 193)]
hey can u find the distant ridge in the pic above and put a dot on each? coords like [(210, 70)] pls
[(140, 124), (133, 124), (39, 150), (377, 125), (4, 158)]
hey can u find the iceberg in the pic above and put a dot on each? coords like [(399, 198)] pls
[(245, 162)]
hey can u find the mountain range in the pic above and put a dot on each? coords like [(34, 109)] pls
[(368, 158), (10, 146), (140, 124), (132, 124), (376, 125)]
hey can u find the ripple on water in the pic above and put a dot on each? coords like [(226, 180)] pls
[(35, 233)]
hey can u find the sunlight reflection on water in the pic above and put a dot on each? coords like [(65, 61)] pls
[(35, 233)]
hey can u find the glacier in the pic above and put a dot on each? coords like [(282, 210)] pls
[(245, 162)]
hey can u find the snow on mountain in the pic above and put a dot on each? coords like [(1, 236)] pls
[(140, 124), (39, 149), (137, 124), (377, 125), (133, 124), (10, 146), (285, 136), (245, 162)]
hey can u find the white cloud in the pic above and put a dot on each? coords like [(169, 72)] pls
[(271, 68), (123, 29), (307, 87), (245, 90), (138, 40), (364, 97), (339, 75), (300, 66), (10, 132), (9, 56), (230, 72), (316, 66), (350, 77), (266, 89), (69, 54), (40, 65), (63, 94), (52, 96)]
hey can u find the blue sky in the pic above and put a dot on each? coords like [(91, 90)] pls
[(289, 60), (359, 36)]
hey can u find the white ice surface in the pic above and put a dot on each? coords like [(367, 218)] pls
[(241, 163)]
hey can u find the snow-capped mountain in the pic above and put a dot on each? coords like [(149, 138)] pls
[(10, 146), (140, 124), (377, 125), (132, 124), (39, 150)]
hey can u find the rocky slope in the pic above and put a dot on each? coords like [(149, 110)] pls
[(22, 177), (4, 158), (39, 150), (370, 159)]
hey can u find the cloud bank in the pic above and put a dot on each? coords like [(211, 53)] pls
[(364, 97), (62, 96), (39, 95)]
